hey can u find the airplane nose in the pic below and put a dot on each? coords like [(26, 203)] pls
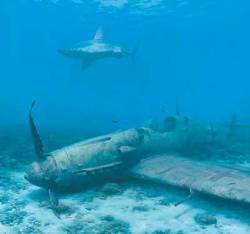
[(35, 168), (34, 175)]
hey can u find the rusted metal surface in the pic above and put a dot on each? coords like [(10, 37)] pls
[(206, 178)]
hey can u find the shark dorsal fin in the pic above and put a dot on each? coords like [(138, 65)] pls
[(99, 34)]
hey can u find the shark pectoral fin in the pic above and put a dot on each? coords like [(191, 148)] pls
[(86, 63), (38, 145)]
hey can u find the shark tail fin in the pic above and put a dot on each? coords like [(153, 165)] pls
[(131, 53)]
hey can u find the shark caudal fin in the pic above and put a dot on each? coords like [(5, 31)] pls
[(131, 53)]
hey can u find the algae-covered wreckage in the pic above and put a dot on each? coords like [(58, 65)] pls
[(146, 153)]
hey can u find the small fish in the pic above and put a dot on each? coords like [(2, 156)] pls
[(163, 110), (115, 121)]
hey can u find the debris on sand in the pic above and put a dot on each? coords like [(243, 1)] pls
[(205, 219), (111, 189)]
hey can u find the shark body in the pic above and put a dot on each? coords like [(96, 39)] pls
[(92, 50)]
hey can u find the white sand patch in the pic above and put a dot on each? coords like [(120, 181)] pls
[(144, 209)]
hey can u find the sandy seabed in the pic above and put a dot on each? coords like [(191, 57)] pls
[(128, 207)]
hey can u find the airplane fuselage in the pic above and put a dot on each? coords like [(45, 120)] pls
[(88, 162), (108, 157)]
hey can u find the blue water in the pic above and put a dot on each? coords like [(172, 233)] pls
[(193, 54)]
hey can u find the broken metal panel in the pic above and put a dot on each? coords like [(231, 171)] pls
[(206, 178)]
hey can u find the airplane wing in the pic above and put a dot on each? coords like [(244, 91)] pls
[(223, 182)]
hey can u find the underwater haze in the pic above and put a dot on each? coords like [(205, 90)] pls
[(193, 54), (179, 57)]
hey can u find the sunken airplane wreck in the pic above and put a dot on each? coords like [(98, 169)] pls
[(96, 49), (140, 152)]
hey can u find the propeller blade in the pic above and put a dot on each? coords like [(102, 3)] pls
[(38, 145)]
